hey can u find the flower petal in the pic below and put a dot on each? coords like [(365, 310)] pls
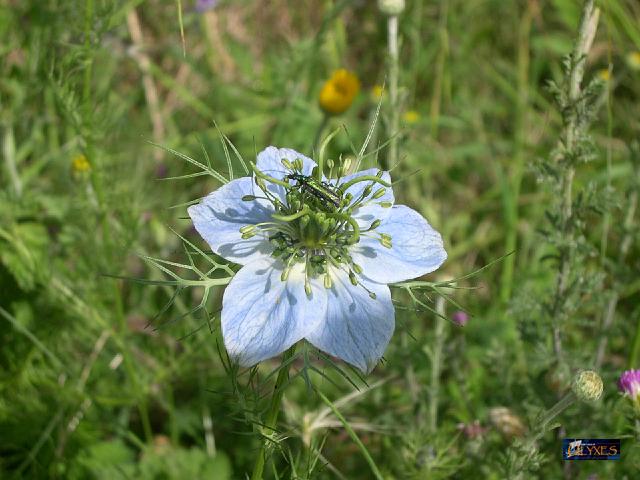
[(357, 328), (219, 217), (263, 316), (366, 214), (417, 249), (269, 162)]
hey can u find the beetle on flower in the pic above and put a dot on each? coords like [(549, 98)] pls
[(317, 257)]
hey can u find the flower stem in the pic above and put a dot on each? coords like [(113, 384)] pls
[(392, 27), (353, 435), (570, 139), (274, 410), (436, 364)]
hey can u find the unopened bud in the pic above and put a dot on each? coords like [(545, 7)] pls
[(587, 385), (391, 7)]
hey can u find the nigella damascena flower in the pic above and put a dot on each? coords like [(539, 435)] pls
[(317, 256), (629, 384)]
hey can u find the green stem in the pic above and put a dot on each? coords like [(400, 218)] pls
[(274, 410), (392, 27), (316, 141), (436, 364), (354, 436)]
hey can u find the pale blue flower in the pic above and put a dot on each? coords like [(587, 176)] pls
[(316, 263)]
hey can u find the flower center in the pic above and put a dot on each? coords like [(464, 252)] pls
[(314, 223)]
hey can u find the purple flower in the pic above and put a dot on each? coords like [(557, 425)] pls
[(460, 318), (629, 383), (204, 5)]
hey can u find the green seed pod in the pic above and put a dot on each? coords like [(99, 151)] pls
[(587, 385)]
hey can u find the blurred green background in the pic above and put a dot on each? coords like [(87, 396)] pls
[(98, 381)]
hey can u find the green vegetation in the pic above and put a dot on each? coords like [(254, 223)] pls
[(518, 141)]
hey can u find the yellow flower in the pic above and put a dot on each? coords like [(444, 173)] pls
[(633, 60), (338, 92), (80, 164), (604, 74), (411, 116), (377, 91)]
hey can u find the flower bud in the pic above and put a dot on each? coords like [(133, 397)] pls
[(507, 423), (587, 386), (391, 7), (460, 318)]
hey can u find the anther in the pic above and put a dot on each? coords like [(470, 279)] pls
[(285, 274), (378, 193), (353, 279), (247, 229), (327, 281), (385, 204), (248, 198), (287, 164), (357, 268)]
